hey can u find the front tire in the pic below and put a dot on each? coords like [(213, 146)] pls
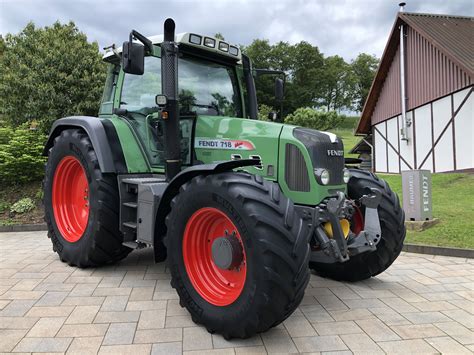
[(267, 283), (81, 204), (392, 222)]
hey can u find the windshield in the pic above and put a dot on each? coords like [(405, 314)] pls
[(204, 88)]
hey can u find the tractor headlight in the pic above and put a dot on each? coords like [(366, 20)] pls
[(209, 42), (195, 39), (322, 175), (224, 46), (346, 175)]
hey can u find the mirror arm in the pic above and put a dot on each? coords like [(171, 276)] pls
[(260, 72), (146, 42)]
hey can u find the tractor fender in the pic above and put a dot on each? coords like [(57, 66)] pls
[(184, 176), (103, 137)]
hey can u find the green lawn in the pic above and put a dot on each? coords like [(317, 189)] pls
[(346, 132), (349, 140), (453, 204)]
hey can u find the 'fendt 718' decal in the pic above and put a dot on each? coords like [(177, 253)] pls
[(223, 144)]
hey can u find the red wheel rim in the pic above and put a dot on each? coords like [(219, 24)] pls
[(217, 286), (70, 199), (357, 224)]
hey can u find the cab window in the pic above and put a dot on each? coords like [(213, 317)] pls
[(139, 91), (207, 88)]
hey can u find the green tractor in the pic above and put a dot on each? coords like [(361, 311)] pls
[(241, 209)]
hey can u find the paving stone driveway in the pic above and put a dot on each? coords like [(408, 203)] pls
[(422, 304)]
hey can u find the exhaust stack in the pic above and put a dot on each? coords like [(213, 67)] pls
[(169, 85), (405, 123)]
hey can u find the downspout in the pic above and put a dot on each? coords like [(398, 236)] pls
[(403, 98)]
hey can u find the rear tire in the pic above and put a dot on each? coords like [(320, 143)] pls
[(97, 240), (275, 244), (392, 222)]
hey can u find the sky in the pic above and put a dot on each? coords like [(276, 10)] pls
[(342, 27)]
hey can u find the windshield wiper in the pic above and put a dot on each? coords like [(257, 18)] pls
[(214, 107), (210, 106), (187, 101), (126, 113)]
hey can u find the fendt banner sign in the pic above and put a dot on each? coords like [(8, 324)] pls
[(417, 201)]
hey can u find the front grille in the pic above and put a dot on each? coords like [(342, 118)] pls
[(296, 171), (318, 145)]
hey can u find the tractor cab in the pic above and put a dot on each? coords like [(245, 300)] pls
[(211, 82)]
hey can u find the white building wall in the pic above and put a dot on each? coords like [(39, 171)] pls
[(407, 147), (444, 158), (464, 131), (423, 136), (392, 137), (455, 144), (380, 147)]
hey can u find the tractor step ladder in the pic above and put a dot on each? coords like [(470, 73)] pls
[(129, 188)]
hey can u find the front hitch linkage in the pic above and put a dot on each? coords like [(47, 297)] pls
[(338, 248), (368, 239)]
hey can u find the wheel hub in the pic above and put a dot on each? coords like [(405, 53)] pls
[(227, 252)]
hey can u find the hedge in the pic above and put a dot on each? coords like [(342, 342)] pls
[(20, 155)]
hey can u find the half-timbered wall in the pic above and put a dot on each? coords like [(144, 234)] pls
[(440, 137)]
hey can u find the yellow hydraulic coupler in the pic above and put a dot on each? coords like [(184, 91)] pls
[(345, 225)]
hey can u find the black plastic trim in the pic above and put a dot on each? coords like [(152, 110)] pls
[(115, 146), (296, 170), (94, 128)]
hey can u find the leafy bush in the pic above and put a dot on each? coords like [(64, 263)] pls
[(7, 222), (263, 111), (39, 194), (311, 118), (4, 206), (23, 205), (20, 155)]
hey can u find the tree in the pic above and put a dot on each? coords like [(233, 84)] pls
[(48, 73), (260, 53), (2, 46), (337, 85), (364, 68), (220, 36), (301, 62), (312, 79), (307, 70)]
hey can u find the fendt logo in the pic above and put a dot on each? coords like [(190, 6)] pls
[(335, 153)]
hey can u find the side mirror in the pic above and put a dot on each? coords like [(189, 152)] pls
[(279, 90), (133, 58), (272, 116)]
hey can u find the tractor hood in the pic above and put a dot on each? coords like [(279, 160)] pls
[(229, 138), (289, 154)]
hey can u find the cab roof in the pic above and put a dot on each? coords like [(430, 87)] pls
[(207, 43)]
